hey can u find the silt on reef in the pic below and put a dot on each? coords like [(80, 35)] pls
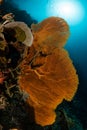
[(47, 72)]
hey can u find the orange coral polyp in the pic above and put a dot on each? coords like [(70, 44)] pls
[(49, 77)]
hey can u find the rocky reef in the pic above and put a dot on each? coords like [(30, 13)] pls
[(36, 76)]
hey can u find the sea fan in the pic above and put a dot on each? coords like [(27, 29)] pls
[(47, 73)]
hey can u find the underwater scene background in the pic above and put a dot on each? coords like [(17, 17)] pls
[(75, 112)]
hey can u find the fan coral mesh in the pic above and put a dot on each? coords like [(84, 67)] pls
[(53, 30), (47, 73)]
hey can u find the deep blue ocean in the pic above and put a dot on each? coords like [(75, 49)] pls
[(76, 44)]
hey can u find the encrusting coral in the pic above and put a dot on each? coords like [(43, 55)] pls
[(15, 38), (47, 72)]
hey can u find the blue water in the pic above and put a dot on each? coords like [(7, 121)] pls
[(76, 45)]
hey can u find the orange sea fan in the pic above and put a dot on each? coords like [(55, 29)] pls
[(48, 83), (47, 72)]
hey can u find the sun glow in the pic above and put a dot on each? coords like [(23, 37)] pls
[(71, 10)]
